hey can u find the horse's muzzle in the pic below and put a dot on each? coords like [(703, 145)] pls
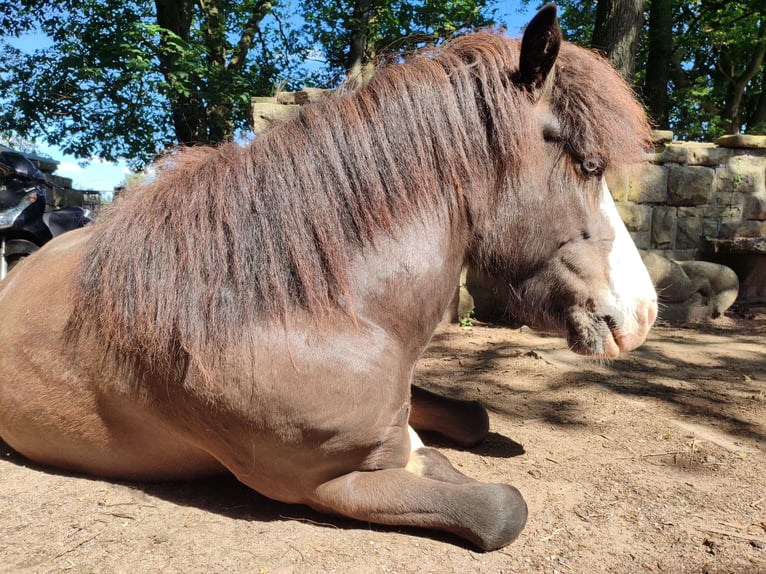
[(629, 339), (609, 334)]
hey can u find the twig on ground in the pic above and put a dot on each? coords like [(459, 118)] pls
[(731, 533)]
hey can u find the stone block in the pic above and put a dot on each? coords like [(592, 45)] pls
[(755, 207), (635, 217), (690, 185), (687, 211), (742, 141), (747, 228), (648, 183), (642, 239), (722, 211), (727, 199), (618, 181), (692, 153), (742, 174), (663, 227), (309, 95), (711, 228), (688, 232), (265, 111), (662, 136)]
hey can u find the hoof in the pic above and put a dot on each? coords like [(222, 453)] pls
[(503, 517)]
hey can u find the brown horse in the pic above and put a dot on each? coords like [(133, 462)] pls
[(258, 310)]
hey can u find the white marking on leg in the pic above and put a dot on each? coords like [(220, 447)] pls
[(414, 464), (415, 442)]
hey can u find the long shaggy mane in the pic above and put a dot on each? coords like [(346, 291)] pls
[(222, 238)]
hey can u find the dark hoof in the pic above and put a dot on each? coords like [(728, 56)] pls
[(512, 522), (502, 517)]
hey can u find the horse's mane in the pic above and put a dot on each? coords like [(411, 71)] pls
[(221, 238)]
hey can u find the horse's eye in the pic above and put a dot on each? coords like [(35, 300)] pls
[(591, 167), (552, 134)]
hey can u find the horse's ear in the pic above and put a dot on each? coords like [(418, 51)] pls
[(539, 48)]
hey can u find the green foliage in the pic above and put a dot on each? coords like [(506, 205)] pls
[(114, 83), (127, 79), (718, 62), (81, 89), (11, 140), (395, 26), (716, 70)]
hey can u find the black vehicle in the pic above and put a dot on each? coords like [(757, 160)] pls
[(25, 226)]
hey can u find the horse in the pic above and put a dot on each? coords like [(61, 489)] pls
[(258, 309)]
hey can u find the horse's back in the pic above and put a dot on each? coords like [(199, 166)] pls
[(52, 407)]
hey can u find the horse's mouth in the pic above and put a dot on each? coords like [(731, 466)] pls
[(604, 336)]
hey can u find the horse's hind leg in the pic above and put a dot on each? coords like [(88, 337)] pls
[(464, 422), (488, 515)]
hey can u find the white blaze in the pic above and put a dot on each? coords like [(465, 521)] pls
[(630, 286)]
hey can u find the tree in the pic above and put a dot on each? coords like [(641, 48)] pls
[(617, 31), (126, 79), (739, 59), (659, 57), (17, 143), (716, 68), (699, 65), (352, 33)]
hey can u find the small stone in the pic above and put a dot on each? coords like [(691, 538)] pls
[(742, 140)]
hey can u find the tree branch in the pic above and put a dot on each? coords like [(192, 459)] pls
[(239, 55)]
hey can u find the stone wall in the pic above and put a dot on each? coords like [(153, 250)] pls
[(701, 201), (691, 194)]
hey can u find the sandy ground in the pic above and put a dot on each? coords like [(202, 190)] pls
[(652, 463)]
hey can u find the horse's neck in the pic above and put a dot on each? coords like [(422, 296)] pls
[(405, 282)]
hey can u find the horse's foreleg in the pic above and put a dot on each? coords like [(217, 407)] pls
[(465, 422), (488, 515)]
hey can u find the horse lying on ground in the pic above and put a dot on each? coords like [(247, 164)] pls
[(258, 310)]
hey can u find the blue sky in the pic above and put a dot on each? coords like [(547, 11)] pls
[(105, 176)]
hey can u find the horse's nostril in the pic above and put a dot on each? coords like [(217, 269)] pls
[(611, 322)]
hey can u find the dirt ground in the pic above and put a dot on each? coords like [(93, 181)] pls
[(655, 462)]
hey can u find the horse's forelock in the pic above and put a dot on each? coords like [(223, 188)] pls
[(600, 115)]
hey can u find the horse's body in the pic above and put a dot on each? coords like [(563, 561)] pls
[(259, 310)]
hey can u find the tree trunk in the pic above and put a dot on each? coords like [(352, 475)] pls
[(359, 26), (736, 84), (617, 32), (756, 121), (187, 112), (658, 61), (217, 126)]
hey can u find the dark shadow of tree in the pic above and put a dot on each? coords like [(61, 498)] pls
[(719, 393)]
